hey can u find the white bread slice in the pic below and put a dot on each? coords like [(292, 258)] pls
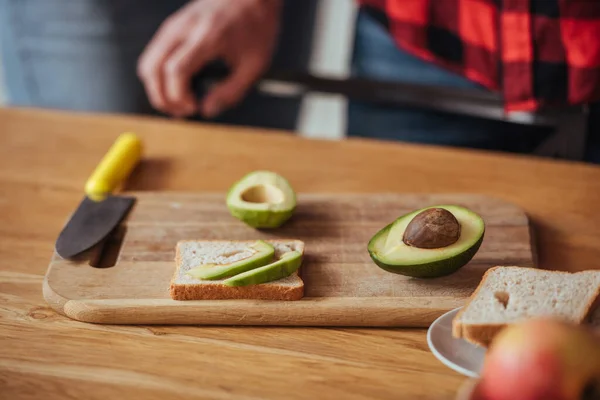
[(507, 295), (191, 253)]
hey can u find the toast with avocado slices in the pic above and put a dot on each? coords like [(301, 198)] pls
[(511, 294), (242, 269)]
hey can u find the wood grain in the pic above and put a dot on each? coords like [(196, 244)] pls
[(343, 287), (45, 158)]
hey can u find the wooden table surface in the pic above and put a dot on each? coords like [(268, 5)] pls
[(45, 158)]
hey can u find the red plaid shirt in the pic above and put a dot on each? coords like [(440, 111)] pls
[(535, 52)]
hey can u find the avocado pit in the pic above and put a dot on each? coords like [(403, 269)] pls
[(433, 228)]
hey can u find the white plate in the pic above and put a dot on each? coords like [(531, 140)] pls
[(458, 354)]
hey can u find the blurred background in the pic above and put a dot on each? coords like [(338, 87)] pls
[(332, 23), (82, 56)]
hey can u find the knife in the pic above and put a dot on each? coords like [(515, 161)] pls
[(100, 211), (461, 101)]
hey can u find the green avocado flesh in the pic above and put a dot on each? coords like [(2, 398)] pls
[(285, 266), (389, 252), (264, 255), (262, 199)]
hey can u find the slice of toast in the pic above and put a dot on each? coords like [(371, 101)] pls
[(508, 295), (191, 253)]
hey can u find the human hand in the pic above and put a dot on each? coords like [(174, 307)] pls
[(242, 33)]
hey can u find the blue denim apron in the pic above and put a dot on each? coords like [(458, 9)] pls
[(82, 55)]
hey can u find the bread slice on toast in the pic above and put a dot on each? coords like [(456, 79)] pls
[(508, 295), (191, 253)]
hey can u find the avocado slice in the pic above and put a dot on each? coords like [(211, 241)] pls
[(285, 266), (395, 248), (264, 253), (262, 199)]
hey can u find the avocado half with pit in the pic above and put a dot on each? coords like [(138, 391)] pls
[(262, 199), (428, 243)]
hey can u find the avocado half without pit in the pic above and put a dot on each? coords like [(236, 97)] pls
[(262, 199), (428, 243)]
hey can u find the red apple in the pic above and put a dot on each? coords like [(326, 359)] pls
[(541, 359)]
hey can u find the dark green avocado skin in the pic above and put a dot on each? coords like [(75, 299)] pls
[(434, 269)]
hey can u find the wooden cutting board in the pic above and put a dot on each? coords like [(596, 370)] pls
[(343, 287)]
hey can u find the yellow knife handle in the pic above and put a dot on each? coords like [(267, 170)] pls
[(115, 166)]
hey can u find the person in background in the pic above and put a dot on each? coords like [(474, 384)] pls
[(242, 34), (138, 56), (533, 52)]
